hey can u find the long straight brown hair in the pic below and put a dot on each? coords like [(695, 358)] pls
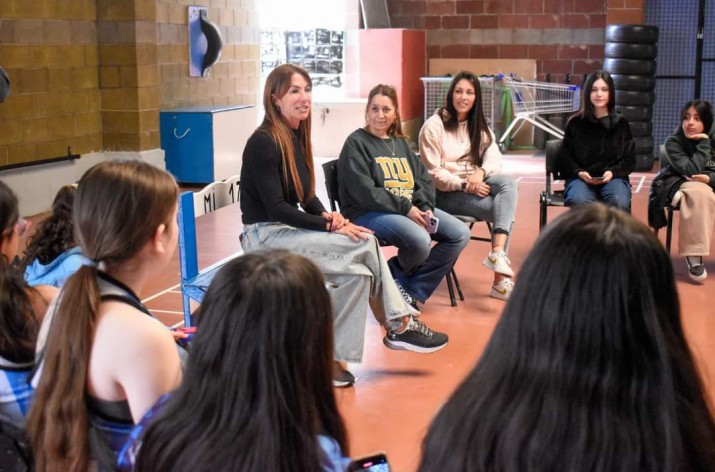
[(277, 85), (477, 125), (117, 209)]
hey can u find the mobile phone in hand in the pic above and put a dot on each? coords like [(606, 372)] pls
[(597, 177), (432, 223), (376, 462)]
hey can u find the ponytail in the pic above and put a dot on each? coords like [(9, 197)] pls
[(58, 421)]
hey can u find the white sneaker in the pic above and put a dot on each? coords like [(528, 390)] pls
[(497, 261), (502, 290), (696, 268), (676, 199)]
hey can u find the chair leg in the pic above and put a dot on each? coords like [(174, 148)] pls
[(187, 309), (450, 288), (456, 283), (669, 230), (542, 214)]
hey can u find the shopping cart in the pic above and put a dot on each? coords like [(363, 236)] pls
[(531, 99), (436, 89)]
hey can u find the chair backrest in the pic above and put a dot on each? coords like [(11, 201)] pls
[(330, 169), (552, 171), (194, 204), (662, 158)]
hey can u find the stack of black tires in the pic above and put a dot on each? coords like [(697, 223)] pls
[(630, 58)]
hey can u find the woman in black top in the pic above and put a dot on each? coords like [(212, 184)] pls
[(277, 176), (598, 152)]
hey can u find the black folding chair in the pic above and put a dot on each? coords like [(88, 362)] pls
[(549, 196), (669, 209)]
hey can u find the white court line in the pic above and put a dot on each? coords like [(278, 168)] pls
[(518, 179), (156, 295), (171, 312), (640, 184), (177, 324)]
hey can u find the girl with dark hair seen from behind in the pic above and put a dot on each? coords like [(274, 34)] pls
[(386, 188), (21, 311), (276, 176), (690, 152), (271, 408), (464, 161), (588, 367), (598, 152), (52, 255), (104, 359)]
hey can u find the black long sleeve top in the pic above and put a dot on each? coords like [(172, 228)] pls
[(589, 145), (688, 157), (265, 197)]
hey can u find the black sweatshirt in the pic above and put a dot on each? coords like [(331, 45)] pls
[(591, 146), (264, 197), (688, 157)]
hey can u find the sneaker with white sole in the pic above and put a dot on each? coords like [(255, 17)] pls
[(497, 261), (342, 377), (696, 268), (502, 290), (416, 337)]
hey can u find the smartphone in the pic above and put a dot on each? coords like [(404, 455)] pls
[(432, 223), (376, 462), (597, 177)]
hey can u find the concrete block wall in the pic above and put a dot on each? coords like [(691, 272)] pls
[(563, 36), (93, 75), (234, 80), (50, 51)]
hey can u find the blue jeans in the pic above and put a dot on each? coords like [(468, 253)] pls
[(616, 193), (419, 267), (499, 207)]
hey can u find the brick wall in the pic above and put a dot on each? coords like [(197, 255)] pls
[(563, 36)]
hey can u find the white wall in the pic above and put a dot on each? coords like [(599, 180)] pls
[(37, 186), (333, 121)]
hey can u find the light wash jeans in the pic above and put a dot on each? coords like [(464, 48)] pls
[(616, 193), (499, 207), (356, 275), (419, 267)]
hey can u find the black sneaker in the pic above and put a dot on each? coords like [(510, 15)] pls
[(417, 337), (696, 268), (342, 378), (409, 299)]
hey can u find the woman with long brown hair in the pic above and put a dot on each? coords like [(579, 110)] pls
[(277, 176), (464, 161), (104, 360)]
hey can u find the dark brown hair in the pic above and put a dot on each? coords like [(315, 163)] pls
[(476, 123)]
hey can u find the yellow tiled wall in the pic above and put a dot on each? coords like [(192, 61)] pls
[(92, 75)]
